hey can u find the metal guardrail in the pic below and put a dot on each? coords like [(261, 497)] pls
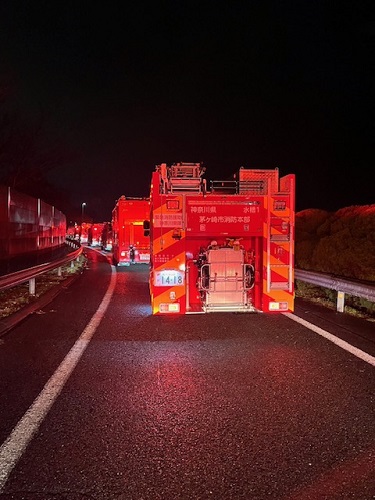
[(341, 285), (17, 278)]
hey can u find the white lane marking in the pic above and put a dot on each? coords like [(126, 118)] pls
[(14, 446), (341, 343)]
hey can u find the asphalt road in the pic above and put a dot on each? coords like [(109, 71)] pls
[(101, 400)]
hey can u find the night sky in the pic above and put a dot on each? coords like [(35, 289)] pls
[(259, 84)]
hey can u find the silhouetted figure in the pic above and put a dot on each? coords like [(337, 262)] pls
[(104, 236), (132, 254), (89, 236)]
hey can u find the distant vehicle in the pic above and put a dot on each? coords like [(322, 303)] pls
[(72, 231), (129, 244), (106, 237), (84, 232), (96, 234)]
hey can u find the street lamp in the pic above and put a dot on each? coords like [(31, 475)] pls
[(83, 209)]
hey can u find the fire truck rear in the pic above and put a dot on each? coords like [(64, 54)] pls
[(96, 233), (129, 244), (224, 247)]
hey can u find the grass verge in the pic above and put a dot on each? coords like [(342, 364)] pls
[(15, 298), (355, 306)]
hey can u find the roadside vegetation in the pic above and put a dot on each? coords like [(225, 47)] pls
[(341, 244)]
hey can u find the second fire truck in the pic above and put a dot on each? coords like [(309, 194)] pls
[(129, 244), (224, 247)]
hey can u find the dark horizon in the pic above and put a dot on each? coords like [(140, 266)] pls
[(125, 88)]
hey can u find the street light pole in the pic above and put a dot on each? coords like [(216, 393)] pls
[(83, 209), (80, 228)]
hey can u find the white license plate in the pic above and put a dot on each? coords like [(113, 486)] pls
[(169, 277)]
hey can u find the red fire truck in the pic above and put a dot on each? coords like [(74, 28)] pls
[(228, 246), (84, 232), (95, 234), (129, 244)]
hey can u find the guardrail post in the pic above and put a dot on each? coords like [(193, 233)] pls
[(32, 286), (59, 271), (340, 301)]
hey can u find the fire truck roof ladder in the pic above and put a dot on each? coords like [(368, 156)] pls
[(184, 177)]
